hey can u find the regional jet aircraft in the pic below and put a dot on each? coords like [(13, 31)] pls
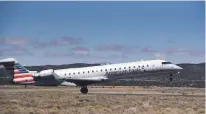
[(95, 74)]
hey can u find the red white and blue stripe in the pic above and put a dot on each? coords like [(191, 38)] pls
[(20, 74)]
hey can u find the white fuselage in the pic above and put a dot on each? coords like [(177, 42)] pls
[(117, 71)]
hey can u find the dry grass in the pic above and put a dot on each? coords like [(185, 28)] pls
[(65, 100)]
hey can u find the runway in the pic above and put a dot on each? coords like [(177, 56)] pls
[(141, 94), (101, 100), (174, 91)]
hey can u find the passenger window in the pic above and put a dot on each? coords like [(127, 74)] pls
[(105, 69), (115, 69), (78, 72), (134, 66), (88, 71), (110, 69), (74, 73), (101, 70), (83, 72), (124, 67), (147, 65), (92, 71), (119, 68), (65, 74), (69, 73), (129, 67)]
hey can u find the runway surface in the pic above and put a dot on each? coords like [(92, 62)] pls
[(101, 100)]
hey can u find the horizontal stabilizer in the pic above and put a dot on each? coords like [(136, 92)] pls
[(8, 60)]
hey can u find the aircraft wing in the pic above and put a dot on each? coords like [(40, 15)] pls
[(82, 81)]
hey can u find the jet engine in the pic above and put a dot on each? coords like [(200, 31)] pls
[(44, 73)]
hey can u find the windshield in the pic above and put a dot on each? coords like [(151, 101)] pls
[(166, 63)]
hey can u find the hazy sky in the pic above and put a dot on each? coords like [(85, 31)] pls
[(37, 33)]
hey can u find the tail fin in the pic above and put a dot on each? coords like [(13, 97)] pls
[(19, 73)]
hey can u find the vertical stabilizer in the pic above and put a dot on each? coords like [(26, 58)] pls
[(18, 72)]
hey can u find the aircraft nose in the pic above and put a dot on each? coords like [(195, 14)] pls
[(178, 67)]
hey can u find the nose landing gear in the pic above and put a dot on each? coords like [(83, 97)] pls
[(171, 77)]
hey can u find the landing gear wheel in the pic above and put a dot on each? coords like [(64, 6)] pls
[(171, 77), (84, 90)]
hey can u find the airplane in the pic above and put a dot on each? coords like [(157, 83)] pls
[(85, 76)]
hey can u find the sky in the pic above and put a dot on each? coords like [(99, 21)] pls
[(40, 33)]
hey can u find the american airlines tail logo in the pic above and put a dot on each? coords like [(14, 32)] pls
[(19, 69), (22, 75)]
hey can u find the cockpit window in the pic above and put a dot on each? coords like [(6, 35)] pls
[(166, 63)]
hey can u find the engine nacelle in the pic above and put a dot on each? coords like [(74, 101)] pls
[(44, 73)]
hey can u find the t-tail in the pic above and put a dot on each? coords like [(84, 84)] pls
[(20, 75)]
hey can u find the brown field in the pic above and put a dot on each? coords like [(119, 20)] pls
[(101, 100)]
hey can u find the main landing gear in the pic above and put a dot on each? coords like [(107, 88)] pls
[(84, 90), (171, 77)]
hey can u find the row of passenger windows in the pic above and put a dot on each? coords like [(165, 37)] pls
[(108, 69)]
